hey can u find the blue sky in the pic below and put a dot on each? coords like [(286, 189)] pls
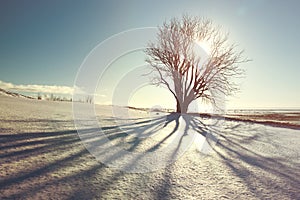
[(45, 42)]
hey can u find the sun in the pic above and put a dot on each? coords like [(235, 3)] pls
[(205, 45)]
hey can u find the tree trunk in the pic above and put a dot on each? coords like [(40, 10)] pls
[(181, 107), (184, 108), (178, 107)]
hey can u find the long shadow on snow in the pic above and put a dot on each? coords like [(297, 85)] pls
[(234, 148)]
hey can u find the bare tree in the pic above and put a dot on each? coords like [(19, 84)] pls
[(89, 99), (183, 71)]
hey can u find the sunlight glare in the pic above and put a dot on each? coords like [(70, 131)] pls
[(205, 45)]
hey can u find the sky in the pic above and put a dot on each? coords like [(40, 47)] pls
[(44, 43)]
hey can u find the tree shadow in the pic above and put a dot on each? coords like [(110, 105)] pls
[(254, 155), (252, 152), (36, 163), (33, 163)]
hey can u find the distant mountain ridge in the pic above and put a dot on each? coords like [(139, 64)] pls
[(14, 94)]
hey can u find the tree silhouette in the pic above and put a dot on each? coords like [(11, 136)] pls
[(187, 74)]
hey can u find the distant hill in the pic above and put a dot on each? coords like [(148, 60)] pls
[(13, 94)]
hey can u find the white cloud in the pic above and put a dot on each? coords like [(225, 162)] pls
[(52, 89)]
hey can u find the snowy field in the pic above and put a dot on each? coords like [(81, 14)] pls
[(42, 156)]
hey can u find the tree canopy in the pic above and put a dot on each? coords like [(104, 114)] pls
[(185, 72)]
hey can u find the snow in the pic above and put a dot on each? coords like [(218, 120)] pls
[(42, 156)]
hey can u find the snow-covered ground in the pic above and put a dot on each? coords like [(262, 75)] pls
[(42, 156)]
